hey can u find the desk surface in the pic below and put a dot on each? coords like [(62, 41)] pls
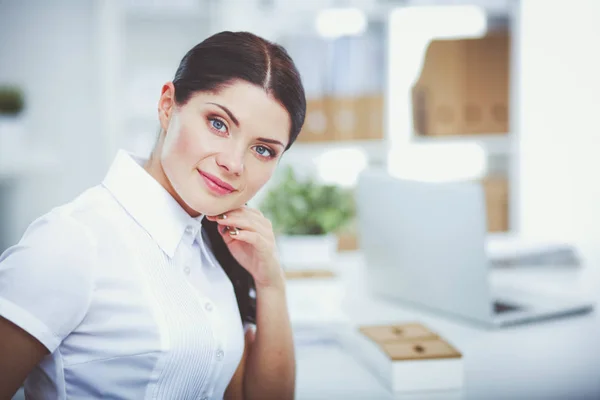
[(552, 359)]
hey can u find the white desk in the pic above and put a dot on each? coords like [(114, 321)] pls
[(554, 359)]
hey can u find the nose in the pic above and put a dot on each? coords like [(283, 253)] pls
[(231, 160)]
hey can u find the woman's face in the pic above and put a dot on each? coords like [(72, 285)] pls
[(220, 148)]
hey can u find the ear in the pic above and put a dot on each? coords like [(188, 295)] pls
[(166, 105)]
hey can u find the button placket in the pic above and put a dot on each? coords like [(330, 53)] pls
[(219, 349), (188, 255)]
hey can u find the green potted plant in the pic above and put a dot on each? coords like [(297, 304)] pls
[(306, 215), (11, 101)]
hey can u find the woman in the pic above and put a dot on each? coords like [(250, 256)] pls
[(161, 283)]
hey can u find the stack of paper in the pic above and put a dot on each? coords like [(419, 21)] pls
[(406, 357), (506, 249)]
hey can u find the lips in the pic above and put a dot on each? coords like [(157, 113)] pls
[(216, 185)]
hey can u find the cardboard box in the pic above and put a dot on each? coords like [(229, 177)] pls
[(370, 115), (317, 124), (463, 87), (343, 118), (496, 200)]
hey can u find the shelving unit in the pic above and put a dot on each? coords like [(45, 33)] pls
[(452, 86), (497, 144), (375, 150)]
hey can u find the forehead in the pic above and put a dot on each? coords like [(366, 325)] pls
[(258, 113)]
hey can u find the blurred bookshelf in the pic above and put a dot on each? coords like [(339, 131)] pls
[(461, 95), (494, 144)]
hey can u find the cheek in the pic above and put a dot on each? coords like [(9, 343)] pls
[(259, 177), (181, 143), (178, 154), (184, 142)]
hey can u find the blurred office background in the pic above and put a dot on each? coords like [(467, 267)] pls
[(505, 92), (502, 92)]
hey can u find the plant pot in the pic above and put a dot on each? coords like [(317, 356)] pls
[(11, 137), (306, 251)]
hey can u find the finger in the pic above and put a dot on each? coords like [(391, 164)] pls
[(249, 237), (226, 214), (240, 223), (224, 232), (255, 211), (244, 210), (247, 221)]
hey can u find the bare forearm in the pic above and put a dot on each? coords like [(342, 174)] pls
[(271, 365)]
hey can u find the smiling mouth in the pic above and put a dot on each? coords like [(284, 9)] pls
[(215, 185)]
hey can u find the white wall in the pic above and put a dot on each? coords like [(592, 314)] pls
[(557, 125), (49, 48)]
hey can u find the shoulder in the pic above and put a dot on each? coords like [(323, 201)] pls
[(47, 279), (57, 252), (59, 238), (69, 232)]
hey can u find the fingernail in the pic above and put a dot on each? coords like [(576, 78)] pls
[(223, 216)]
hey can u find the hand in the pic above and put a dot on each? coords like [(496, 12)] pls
[(253, 246)]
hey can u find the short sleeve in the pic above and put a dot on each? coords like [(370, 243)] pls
[(47, 279)]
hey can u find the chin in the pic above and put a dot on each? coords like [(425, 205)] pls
[(209, 211), (212, 207)]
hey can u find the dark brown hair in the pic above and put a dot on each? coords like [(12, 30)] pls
[(210, 66)]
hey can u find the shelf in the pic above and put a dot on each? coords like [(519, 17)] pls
[(496, 144), (375, 149)]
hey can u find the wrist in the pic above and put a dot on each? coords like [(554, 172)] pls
[(274, 283)]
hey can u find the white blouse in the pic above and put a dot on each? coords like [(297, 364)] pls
[(121, 288)]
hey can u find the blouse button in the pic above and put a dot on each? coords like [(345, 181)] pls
[(220, 354), (187, 270), (208, 307)]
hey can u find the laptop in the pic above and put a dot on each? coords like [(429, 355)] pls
[(424, 243)]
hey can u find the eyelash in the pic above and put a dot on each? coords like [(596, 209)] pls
[(272, 152), (213, 119)]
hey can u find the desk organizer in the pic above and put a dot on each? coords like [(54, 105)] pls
[(314, 298), (406, 357)]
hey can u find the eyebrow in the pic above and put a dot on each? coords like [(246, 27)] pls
[(272, 141), (237, 123), (229, 113)]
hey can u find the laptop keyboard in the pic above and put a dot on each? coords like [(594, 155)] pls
[(502, 307)]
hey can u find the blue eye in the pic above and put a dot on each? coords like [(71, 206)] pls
[(218, 125), (264, 151)]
